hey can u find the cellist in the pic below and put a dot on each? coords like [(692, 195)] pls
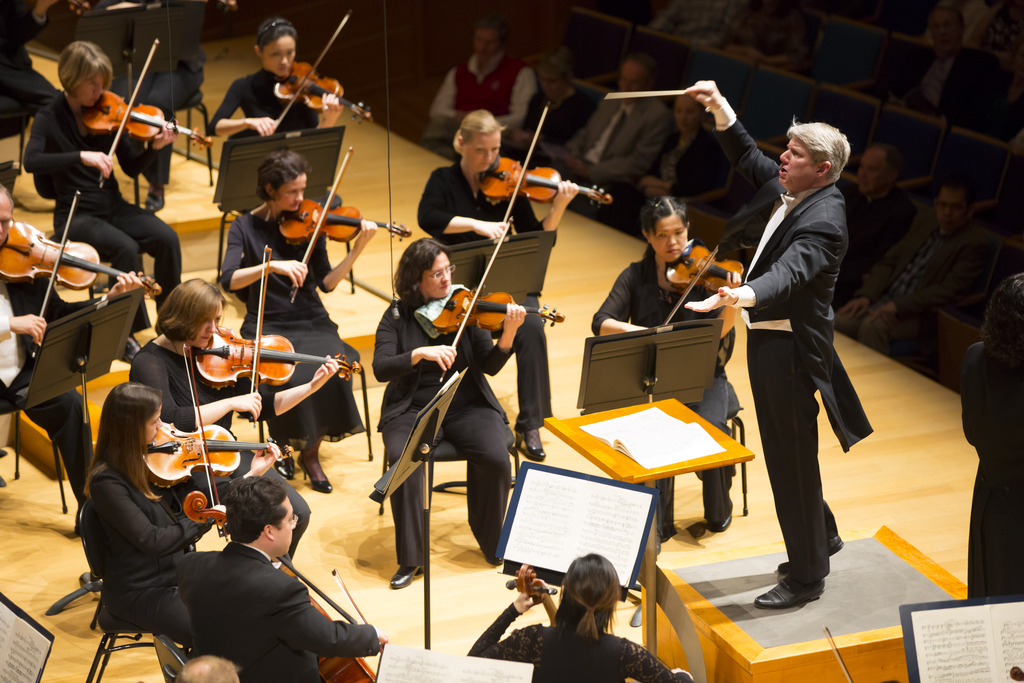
[(244, 609)]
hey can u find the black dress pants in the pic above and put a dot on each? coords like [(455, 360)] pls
[(534, 380)]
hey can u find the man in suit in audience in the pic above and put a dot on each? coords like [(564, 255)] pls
[(622, 137), (958, 83), (243, 608), (933, 265), (878, 215), (797, 223)]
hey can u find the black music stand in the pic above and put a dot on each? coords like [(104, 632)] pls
[(418, 448), (519, 268), (241, 157), (75, 348)]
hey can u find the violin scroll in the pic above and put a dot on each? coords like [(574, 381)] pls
[(196, 508)]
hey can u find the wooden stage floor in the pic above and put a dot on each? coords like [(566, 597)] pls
[(913, 475)]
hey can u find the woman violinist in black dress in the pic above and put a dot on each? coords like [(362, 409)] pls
[(276, 39), (332, 414)]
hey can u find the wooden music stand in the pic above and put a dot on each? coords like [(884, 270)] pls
[(620, 466)]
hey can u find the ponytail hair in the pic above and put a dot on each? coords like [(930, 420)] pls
[(590, 592)]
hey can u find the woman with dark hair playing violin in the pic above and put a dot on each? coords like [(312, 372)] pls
[(454, 210), (579, 645), (412, 356), (66, 156), (147, 533), (643, 297), (332, 415), (191, 317), (276, 39)]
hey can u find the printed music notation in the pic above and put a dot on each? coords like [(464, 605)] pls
[(399, 664), (971, 643)]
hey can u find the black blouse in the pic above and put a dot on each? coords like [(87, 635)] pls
[(255, 95)]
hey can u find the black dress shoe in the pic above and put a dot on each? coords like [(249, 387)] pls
[(404, 576), (784, 596), (286, 468), (154, 203), (529, 445), (719, 527), (835, 544)]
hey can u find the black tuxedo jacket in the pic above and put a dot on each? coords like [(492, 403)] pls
[(242, 608), (795, 275)]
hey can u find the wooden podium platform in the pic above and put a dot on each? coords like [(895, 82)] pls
[(731, 655)]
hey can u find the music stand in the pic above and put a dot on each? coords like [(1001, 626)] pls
[(672, 361), (75, 348), (241, 157), (416, 452), (519, 268)]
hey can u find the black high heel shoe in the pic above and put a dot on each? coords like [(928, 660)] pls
[(530, 446), (286, 467), (318, 485)]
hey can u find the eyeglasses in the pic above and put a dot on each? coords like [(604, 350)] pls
[(437, 274), (293, 522)]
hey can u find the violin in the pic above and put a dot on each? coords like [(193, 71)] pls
[(27, 254), (341, 223), (230, 357), (526, 582), (693, 259), (172, 456), (144, 122), (314, 89), (540, 185), (489, 313)]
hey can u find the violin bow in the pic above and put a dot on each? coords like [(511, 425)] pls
[(305, 79), (255, 378), (693, 282), (60, 253), (323, 215), (337, 577), (286, 561), (131, 103), (501, 239)]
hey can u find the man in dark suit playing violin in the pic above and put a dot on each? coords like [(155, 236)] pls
[(244, 609), (20, 327)]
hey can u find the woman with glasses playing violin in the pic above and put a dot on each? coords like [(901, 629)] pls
[(190, 317), (412, 357), (332, 414), (643, 297), (146, 531)]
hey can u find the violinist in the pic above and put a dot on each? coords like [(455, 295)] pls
[(191, 317), (275, 47), (642, 297), (579, 645), (244, 609), (411, 356), (332, 414), (65, 157), (454, 210), (20, 327), (147, 533), (21, 85)]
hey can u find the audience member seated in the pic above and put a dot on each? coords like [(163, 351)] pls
[(851, 9), (772, 33), (701, 22), (999, 30), (1006, 113), (957, 83), (20, 85), (878, 215), (208, 669), (489, 80), (935, 264), (567, 108), (622, 138), (691, 162)]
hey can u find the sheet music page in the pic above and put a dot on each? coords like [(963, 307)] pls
[(653, 438), (400, 664), (560, 518), (23, 650), (1008, 627), (955, 645)]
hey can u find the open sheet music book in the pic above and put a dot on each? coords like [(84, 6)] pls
[(400, 664), (654, 438), (965, 640), (24, 645)]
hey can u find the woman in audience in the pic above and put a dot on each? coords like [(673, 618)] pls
[(579, 646), (770, 33)]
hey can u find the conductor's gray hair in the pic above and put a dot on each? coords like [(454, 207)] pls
[(825, 143)]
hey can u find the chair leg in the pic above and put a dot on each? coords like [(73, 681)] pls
[(366, 412), (101, 650), (60, 478), (17, 444), (739, 433)]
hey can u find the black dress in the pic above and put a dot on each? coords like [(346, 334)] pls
[(164, 370), (992, 395), (636, 298), (448, 195), (255, 95), (559, 656), (331, 412)]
